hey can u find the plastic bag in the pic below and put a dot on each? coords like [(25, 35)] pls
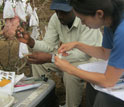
[(23, 50), (34, 21), (35, 33), (8, 11), (35, 14), (29, 9), (20, 11)]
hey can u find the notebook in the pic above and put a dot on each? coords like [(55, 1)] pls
[(7, 80), (100, 67)]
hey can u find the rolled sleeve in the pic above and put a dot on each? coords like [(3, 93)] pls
[(51, 38)]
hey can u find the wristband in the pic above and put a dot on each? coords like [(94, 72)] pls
[(53, 59)]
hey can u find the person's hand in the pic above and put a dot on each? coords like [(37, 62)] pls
[(39, 58), (64, 65), (24, 37), (66, 47)]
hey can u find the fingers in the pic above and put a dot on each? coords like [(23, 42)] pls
[(56, 59), (18, 34), (32, 61), (31, 58), (26, 55), (26, 36), (59, 62), (60, 50), (65, 54), (63, 49), (35, 59), (20, 31), (22, 36)]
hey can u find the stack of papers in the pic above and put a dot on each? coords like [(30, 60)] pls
[(100, 67), (27, 83), (23, 50), (7, 80), (26, 87)]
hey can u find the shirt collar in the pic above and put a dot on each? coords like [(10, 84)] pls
[(76, 22)]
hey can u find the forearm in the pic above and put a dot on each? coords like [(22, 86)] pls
[(108, 79), (92, 77), (41, 45), (97, 52), (39, 58), (49, 58)]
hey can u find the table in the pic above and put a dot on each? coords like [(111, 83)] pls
[(42, 96)]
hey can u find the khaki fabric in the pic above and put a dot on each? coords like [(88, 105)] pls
[(73, 84), (56, 33)]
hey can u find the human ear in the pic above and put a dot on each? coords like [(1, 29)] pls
[(100, 13)]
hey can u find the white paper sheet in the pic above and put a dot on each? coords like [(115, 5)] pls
[(23, 50), (100, 67), (8, 89), (19, 77), (18, 89), (8, 11), (95, 66)]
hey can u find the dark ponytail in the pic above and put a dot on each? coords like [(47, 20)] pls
[(112, 8), (118, 13)]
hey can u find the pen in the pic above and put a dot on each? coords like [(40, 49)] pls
[(22, 85)]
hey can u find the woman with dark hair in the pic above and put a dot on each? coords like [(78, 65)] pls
[(94, 14)]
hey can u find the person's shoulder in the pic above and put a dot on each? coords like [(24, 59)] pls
[(79, 24), (120, 28), (54, 17), (78, 21), (119, 32), (54, 20)]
